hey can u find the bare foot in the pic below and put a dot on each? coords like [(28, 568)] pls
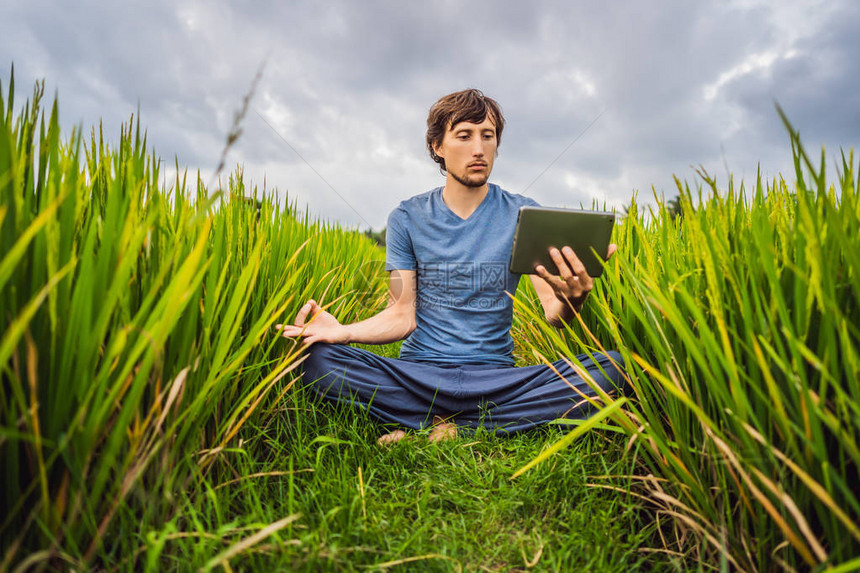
[(442, 430), (391, 438)]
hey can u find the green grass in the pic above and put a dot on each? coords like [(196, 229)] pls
[(738, 322), (447, 507), (151, 418)]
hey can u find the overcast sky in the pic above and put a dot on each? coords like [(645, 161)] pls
[(338, 118)]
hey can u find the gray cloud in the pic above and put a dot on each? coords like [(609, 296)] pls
[(348, 85)]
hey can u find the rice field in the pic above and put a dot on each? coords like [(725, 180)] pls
[(151, 418)]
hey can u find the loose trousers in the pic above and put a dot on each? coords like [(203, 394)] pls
[(504, 399)]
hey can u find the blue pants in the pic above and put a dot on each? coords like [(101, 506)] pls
[(499, 398)]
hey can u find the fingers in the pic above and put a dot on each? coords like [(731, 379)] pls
[(570, 267), (561, 264), (315, 308), (611, 250), (575, 281), (298, 327), (575, 263), (553, 280), (304, 311), (289, 331)]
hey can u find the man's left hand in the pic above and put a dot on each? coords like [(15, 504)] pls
[(573, 283)]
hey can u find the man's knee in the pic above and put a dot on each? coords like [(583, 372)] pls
[(319, 361), (321, 373), (613, 365)]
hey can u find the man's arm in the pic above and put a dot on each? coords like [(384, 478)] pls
[(394, 323), (562, 296)]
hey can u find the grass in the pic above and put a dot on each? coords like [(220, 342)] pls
[(448, 507), (150, 417), (738, 323)]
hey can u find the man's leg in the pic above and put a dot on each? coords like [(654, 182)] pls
[(394, 391), (516, 399), (418, 395)]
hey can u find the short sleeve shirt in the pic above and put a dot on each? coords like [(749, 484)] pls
[(464, 307)]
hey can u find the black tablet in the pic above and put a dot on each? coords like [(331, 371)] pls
[(539, 228)]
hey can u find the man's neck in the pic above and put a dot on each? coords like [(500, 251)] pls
[(463, 200)]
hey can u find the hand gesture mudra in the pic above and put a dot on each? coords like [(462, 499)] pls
[(314, 324)]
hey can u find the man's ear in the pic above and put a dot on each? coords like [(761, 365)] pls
[(437, 149)]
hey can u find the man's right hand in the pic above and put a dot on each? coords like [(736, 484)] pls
[(322, 326)]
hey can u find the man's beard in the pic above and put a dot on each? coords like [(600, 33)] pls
[(470, 182)]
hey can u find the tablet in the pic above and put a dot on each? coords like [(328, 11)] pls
[(539, 228)]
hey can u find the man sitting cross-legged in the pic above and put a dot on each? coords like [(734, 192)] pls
[(449, 284)]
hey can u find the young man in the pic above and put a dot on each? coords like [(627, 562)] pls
[(447, 253)]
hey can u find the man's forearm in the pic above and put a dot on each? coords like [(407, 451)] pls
[(392, 324)]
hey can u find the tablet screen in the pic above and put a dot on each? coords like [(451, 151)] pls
[(539, 228)]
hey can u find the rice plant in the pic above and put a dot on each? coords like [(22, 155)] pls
[(137, 335), (740, 327), (150, 417)]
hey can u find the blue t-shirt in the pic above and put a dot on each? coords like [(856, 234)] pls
[(463, 312)]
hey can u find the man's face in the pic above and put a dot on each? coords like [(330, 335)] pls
[(469, 150)]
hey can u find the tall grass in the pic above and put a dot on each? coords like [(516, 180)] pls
[(137, 335), (142, 383), (740, 327), (149, 416)]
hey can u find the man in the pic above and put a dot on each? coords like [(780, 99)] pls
[(447, 253)]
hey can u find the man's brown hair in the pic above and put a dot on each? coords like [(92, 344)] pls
[(468, 105)]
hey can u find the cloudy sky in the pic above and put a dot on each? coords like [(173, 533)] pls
[(601, 98)]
